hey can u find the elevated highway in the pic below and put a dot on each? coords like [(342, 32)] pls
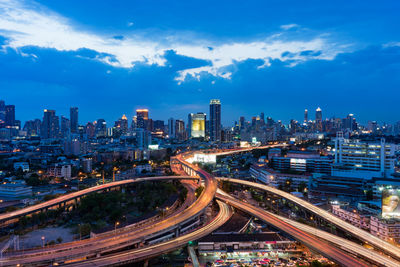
[(62, 200), (225, 212), (311, 241), (374, 241), (96, 246)]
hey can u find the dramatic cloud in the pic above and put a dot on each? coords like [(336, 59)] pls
[(33, 25)]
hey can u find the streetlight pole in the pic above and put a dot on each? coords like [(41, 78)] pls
[(115, 227), (43, 241)]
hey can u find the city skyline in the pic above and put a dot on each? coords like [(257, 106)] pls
[(312, 116), (257, 57)]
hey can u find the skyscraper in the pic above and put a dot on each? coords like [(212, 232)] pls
[(50, 124), (73, 116), (241, 122), (10, 115), (180, 130), (65, 126), (142, 116), (171, 128), (318, 119), (215, 120), (101, 128), (2, 111), (306, 115)]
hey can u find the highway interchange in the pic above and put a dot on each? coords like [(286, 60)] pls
[(89, 252)]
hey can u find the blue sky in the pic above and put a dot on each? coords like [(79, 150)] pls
[(276, 57)]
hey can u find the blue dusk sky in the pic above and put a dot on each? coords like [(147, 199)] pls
[(278, 57)]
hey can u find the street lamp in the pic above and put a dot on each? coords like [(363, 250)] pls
[(115, 227), (43, 241)]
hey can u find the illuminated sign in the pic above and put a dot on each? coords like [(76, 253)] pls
[(198, 126), (391, 203), (203, 158), (297, 161), (153, 147)]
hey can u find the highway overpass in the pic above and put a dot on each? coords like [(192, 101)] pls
[(344, 245), (329, 217)]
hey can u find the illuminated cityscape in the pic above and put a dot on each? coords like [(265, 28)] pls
[(199, 134)]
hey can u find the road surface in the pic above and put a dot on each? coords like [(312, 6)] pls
[(355, 231)]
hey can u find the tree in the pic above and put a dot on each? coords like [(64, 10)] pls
[(199, 190)]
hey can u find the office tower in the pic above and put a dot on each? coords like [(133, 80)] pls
[(149, 125), (101, 128), (10, 115), (122, 124), (262, 118), (366, 159), (180, 130), (134, 122), (73, 116), (143, 138), (197, 125), (306, 115), (50, 125), (159, 126), (373, 126), (32, 127), (65, 126), (90, 130), (215, 120), (142, 116), (241, 122), (318, 119), (171, 128), (2, 111)]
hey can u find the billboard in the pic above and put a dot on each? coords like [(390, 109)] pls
[(198, 126), (391, 203)]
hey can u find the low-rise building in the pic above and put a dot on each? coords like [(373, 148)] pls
[(386, 229), (24, 166), (15, 190), (60, 171), (268, 176)]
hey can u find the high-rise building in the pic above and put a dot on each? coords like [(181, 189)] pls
[(180, 133), (124, 124), (215, 120), (365, 159), (90, 130), (305, 115), (318, 119), (143, 138), (50, 125), (2, 112), (197, 125), (10, 115), (142, 116), (241, 122), (171, 128), (159, 126), (65, 126), (32, 127), (101, 128), (73, 117), (262, 118)]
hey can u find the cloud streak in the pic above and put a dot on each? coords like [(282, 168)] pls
[(34, 25)]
